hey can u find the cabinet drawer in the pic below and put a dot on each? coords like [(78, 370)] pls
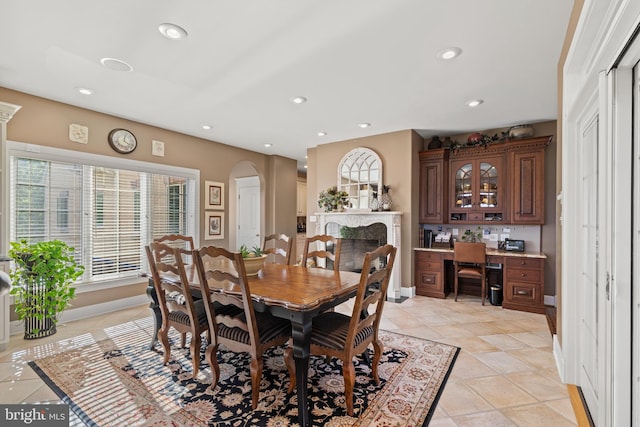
[(523, 262), (523, 293), (475, 216), (429, 283), (429, 265), (428, 256), (524, 275)]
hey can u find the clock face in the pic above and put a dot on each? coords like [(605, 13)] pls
[(122, 141)]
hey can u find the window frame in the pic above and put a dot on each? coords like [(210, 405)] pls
[(53, 154)]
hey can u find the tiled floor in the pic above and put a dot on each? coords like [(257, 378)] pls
[(505, 374)]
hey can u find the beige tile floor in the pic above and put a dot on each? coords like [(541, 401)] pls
[(505, 374)]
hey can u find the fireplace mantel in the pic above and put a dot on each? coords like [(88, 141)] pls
[(391, 219)]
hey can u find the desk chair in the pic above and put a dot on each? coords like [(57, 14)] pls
[(469, 262), (338, 335), (322, 242), (278, 248)]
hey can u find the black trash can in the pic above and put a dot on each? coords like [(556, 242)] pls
[(495, 294)]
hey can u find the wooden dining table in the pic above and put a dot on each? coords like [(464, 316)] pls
[(298, 294)]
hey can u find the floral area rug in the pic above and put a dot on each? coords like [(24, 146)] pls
[(120, 382)]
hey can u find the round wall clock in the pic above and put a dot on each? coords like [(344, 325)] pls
[(122, 141)]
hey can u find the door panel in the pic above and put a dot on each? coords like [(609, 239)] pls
[(248, 212)]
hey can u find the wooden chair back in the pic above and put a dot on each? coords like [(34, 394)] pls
[(231, 315), (321, 253), (278, 248), (469, 262), (175, 299)]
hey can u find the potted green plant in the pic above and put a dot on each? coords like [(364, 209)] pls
[(253, 259), (43, 279), (472, 236), (332, 199)]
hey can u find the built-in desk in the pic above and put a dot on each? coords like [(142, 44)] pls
[(522, 276)]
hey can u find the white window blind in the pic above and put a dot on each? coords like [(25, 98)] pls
[(107, 214)]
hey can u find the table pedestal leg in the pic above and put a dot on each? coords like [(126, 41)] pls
[(301, 334)]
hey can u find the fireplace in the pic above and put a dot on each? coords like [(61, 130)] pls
[(362, 232)]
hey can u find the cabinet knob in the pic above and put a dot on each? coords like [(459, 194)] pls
[(523, 263), (522, 292), (523, 275)]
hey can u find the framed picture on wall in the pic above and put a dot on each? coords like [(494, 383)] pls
[(214, 192), (214, 222)]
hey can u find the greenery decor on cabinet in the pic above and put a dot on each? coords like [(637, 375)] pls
[(332, 199), (43, 279)]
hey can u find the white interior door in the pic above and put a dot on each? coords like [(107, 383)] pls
[(592, 278), (248, 212)]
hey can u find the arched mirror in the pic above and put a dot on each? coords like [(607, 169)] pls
[(360, 175)]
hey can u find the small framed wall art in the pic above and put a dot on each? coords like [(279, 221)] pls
[(214, 194), (214, 222)]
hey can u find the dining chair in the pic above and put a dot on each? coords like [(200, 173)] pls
[(177, 241), (223, 279), (178, 308), (469, 262), (278, 248), (344, 337), (322, 255)]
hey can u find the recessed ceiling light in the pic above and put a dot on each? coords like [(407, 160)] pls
[(298, 99), (364, 125), (268, 145), (84, 90), (322, 133), (206, 127), (474, 103), (116, 64), (172, 31), (449, 53)]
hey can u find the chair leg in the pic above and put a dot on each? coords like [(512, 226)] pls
[(196, 341), (291, 367), (483, 290), (378, 348), (455, 287), (163, 336), (183, 339), (256, 375), (211, 355), (349, 375)]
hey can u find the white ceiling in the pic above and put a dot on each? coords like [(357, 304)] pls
[(355, 61)]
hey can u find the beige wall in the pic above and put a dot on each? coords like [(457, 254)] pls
[(45, 122), (399, 154)]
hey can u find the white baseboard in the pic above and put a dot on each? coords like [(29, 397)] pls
[(408, 292), (17, 326), (559, 358), (550, 300)]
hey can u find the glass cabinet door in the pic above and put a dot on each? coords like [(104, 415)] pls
[(488, 185), (464, 186)]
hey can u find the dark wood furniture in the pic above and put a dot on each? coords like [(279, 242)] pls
[(177, 306), (524, 284), (344, 337), (278, 248), (298, 294), (231, 316), (469, 262), (523, 276), (502, 182), (321, 255)]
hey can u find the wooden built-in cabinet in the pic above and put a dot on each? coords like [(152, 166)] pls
[(434, 167), (430, 274), (524, 284), (502, 182), (476, 185)]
